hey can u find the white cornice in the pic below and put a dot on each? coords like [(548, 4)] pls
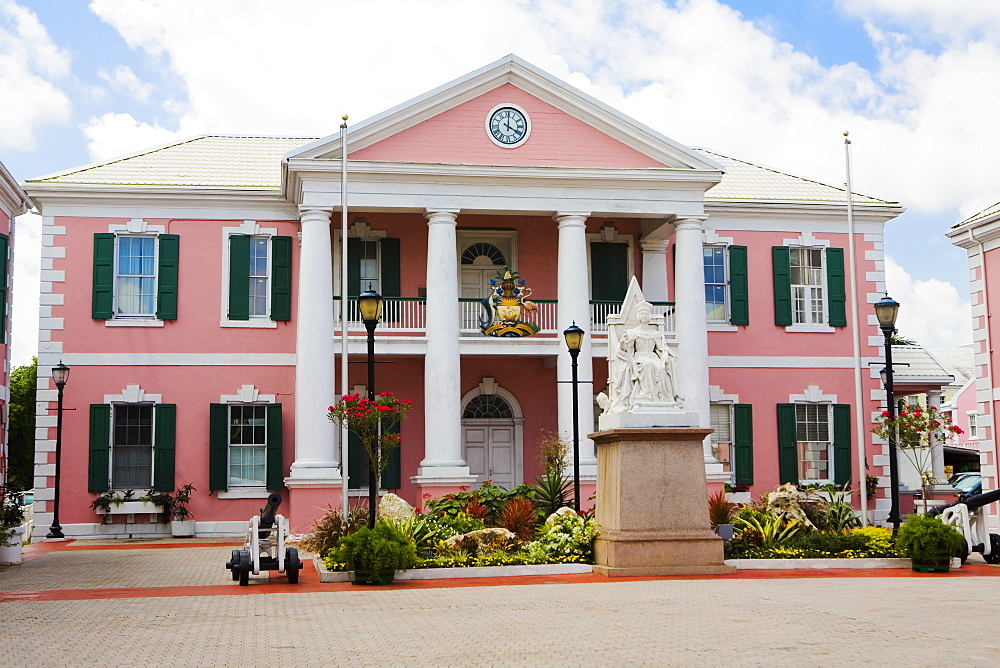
[(13, 199), (874, 213), (972, 234), (528, 78)]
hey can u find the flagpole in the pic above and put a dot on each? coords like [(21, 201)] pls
[(859, 411), (343, 312)]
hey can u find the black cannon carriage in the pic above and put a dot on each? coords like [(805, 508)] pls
[(264, 548), (968, 515)]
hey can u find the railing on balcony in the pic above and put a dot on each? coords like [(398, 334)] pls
[(408, 314)]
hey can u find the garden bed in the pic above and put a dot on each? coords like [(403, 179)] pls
[(326, 575)]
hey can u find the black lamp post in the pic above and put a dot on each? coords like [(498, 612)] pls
[(574, 341), (60, 374), (886, 310), (370, 305)]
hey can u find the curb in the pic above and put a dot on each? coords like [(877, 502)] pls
[(785, 564)]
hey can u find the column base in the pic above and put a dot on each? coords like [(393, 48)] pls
[(436, 486)]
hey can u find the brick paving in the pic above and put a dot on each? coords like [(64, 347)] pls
[(178, 607)]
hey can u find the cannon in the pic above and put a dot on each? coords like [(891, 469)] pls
[(264, 548), (968, 515)]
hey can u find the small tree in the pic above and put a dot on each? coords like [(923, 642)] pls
[(914, 429), (21, 438), (372, 422)]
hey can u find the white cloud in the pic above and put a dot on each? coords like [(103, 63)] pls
[(112, 135), (24, 289), (932, 313), (29, 64), (123, 78)]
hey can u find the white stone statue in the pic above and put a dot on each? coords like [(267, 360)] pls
[(642, 370)]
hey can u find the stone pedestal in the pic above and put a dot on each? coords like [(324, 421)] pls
[(652, 504)]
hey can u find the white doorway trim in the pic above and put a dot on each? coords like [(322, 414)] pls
[(489, 386)]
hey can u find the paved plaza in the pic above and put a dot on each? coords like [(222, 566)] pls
[(174, 604)]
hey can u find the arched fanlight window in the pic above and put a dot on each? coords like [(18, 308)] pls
[(482, 249), (488, 406)]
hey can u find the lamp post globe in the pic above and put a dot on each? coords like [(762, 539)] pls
[(574, 341), (60, 375)]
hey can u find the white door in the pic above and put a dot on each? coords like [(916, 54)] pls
[(489, 450)]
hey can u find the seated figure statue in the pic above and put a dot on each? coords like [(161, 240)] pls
[(642, 366)]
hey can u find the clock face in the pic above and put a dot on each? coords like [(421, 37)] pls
[(508, 126)]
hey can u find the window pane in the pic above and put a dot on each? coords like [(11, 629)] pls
[(807, 285), (812, 430), (369, 266), (136, 278), (721, 422), (715, 282), (132, 446), (247, 445)]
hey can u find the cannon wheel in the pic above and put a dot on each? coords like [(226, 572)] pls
[(292, 565), (244, 568), (963, 551), (994, 556), (234, 565)]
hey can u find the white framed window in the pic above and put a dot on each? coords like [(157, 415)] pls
[(973, 419), (131, 446), (256, 276), (247, 445), (721, 415), (260, 272), (808, 279), (814, 442), (369, 265), (135, 275), (716, 284)]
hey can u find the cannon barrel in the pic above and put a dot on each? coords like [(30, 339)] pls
[(267, 514), (980, 500)]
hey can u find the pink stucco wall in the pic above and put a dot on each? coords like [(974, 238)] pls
[(458, 136)]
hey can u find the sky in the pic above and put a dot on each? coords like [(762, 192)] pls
[(774, 82)]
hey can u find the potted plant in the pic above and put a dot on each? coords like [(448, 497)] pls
[(11, 527), (174, 510), (929, 543), (720, 514), (376, 554)]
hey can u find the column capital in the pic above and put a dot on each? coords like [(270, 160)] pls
[(689, 222), (315, 212), (654, 245), (571, 217), (441, 215)]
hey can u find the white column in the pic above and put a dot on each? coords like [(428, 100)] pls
[(692, 331), (654, 269), (937, 448), (316, 462), (442, 362), (574, 306)]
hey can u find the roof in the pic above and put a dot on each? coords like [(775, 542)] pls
[(747, 181), (985, 213), (209, 161), (244, 162), (915, 365), (959, 361)]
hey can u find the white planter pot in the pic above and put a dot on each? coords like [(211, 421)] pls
[(182, 528), (10, 552), (132, 508)]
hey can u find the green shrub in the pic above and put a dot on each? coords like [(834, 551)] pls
[(567, 538), (379, 550), (460, 523), (858, 543), (922, 537)]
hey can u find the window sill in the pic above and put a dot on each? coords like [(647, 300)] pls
[(253, 323), (722, 327), (244, 493), (823, 329), (144, 322)]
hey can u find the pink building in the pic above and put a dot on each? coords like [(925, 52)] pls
[(194, 289), (980, 237), (13, 202)]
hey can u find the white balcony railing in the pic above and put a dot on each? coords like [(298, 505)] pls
[(408, 314)]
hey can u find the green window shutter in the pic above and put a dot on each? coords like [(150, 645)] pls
[(218, 447), (743, 443), (357, 462), (608, 271), (391, 476), (781, 265), (389, 251), (353, 267), (102, 302), (841, 443), (281, 280), (275, 474), (239, 277), (100, 448), (836, 287), (165, 440), (788, 458), (166, 278), (739, 288), (4, 285)]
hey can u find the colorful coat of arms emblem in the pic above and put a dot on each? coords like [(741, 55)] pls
[(504, 307)]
